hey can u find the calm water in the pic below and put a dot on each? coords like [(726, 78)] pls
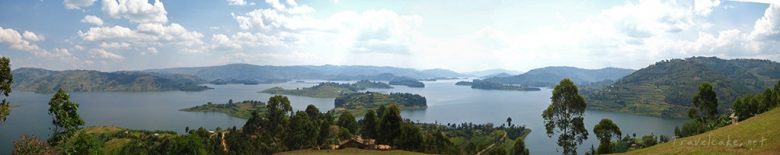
[(447, 104)]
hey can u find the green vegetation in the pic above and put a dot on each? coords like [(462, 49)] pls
[(407, 82), (565, 114), (360, 103), (6, 79), (65, 116), (757, 135), (604, 131), (241, 109), (46, 81), (489, 85), (750, 105), (666, 88), (327, 89)]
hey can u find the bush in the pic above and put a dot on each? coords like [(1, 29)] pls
[(31, 145)]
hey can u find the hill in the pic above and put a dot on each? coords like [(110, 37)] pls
[(484, 73), (46, 81), (757, 135), (549, 76), (325, 72), (666, 88), (328, 89), (241, 109)]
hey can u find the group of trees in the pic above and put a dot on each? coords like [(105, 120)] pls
[(6, 78), (750, 105)]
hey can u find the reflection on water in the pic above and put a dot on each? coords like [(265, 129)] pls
[(447, 103)]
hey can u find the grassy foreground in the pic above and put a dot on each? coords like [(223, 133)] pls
[(757, 135), (349, 151)]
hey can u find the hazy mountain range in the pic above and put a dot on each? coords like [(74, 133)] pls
[(47, 81), (550, 76)]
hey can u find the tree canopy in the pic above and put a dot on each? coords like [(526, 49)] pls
[(565, 114), (604, 131), (6, 78)]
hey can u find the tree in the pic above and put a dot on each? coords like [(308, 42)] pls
[(705, 103), (389, 125), (509, 121), (303, 131), (313, 112), (369, 125), (604, 131), (565, 115), (346, 120), (519, 147), (65, 116), (6, 79), (410, 138), (276, 110)]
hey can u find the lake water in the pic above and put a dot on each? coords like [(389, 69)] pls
[(447, 103)]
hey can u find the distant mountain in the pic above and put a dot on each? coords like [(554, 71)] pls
[(47, 81), (484, 73), (666, 88), (550, 76), (325, 72), (502, 74)]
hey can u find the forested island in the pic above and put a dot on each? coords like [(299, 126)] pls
[(407, 82), (241, 109), (328, 89), (359, 103), (489, 85), (463, 83)]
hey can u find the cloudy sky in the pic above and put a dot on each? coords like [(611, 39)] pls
[(519, 35)]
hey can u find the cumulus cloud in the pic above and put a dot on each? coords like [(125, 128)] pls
[(19, 41), (94, 20), (145, 35), (101, 53), (137, 11), (77, 4), (768, 26)]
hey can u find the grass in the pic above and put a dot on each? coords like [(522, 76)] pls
[(757, 135), (349, 151)]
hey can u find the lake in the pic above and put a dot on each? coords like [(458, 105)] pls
[(447, 103)]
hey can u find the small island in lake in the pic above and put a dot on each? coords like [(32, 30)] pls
[(241, 109), (359, 103), (407, 82), (489, 85), (463, 83), (328, 89)]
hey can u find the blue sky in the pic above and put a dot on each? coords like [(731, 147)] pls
[(519, 35)]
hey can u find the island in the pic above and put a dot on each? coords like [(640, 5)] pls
[(407, 82), (463, 83), (241, 109), (489, 85), (328, 89), (359, 103)]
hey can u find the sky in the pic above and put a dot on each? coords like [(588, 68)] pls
[(464, 36)]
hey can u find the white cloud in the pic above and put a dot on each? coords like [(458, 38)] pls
[(94, 20), (237, 2), (137, 11), (19, 42), (77, 4), (101, 53), (768, 26), (27, 35)]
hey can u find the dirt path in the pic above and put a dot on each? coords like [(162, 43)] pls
[(503, 137)]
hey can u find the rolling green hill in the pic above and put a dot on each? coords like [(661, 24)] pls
[(47, 81), (757, 135), (666, 88)]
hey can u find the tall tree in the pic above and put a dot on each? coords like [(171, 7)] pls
[(389, 125), (6, 78), (65, 116), (346, 120), (519, 147), (508, 121), (604, 131), (303, 132), (565, 115), (705, 103), (277, 108), (369, 125)]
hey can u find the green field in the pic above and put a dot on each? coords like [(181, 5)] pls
[(757, 135)]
